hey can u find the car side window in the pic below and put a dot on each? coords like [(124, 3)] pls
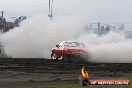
[(66, 45)]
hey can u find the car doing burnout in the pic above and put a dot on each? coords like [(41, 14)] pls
[(69, 51)]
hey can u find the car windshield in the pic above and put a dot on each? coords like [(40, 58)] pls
[(74, 44)]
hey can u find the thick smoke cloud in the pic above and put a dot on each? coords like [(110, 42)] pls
[(110, 48), (37, 36)]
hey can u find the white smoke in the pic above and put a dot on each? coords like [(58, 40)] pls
[(37, 36), (110, 48)]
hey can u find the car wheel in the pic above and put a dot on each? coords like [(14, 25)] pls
[(64, 58), (68, 58), (54, 57)]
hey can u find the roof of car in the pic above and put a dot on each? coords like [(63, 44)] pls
[(71, 41)]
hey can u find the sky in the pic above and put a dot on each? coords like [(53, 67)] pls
[(107, 11)]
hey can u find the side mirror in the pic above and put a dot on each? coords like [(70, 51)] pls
[(57, 46)]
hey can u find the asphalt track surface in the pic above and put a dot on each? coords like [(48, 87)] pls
[(31, 72)]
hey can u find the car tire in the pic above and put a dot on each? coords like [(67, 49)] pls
[(54, 57), (68, 58), (65, 58)]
